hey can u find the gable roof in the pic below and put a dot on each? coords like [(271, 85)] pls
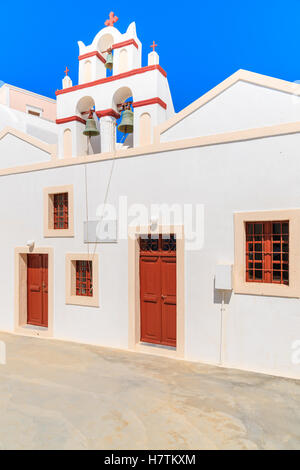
[(48, 148), (240, 75)]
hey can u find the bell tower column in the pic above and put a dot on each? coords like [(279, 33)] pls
[(108, 119)]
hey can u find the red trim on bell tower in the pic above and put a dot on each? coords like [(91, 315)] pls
[(148, 68), (108, 112), (156, 100), (125, 43), (70, 119), (91, 54)]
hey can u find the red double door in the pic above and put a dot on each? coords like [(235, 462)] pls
[(158, 290), (37, 290)]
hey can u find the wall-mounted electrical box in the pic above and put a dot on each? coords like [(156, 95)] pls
[(223, 277)]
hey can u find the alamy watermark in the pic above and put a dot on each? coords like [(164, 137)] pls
[(126, 216)]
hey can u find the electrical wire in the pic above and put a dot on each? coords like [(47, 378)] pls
[(109, 180), (108, 184), (86, 193)]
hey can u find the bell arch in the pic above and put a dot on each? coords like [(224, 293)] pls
[(120, 96), (145, 129), (82, 110), (123, 61), (84, 105), (105, 42), (67, 143), (123, 95), (87, 71)]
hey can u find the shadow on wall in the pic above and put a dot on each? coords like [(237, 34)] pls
[(219, 295)]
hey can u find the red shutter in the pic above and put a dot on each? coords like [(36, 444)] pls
[(84, 278), (61, 211), (267, 252)]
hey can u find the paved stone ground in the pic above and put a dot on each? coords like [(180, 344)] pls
[(57, 395)]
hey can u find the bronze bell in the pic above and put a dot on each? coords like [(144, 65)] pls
[(109, 61), (91, 127), (126, 124)]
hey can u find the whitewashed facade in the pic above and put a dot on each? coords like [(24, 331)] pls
[(229, 158)]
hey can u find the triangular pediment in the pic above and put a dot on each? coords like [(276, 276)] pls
[(243, 101), (18, 149)]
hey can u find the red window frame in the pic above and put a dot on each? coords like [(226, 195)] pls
[(61, 211), (267, 252), (84, 278)]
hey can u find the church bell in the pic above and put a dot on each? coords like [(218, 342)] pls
[(109, 61), (126, 124), (91, 127)]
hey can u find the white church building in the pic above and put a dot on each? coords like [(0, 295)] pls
[(181, 239)]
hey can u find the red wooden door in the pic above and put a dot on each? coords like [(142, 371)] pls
[(168, 307), (158, 290), (150, 282), (37, 290)]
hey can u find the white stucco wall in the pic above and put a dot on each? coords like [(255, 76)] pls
[(242, 106), (37, 127), (253, 175), (15, 152)]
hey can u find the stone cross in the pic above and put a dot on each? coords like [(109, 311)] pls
[(153, 46), (112, 19)]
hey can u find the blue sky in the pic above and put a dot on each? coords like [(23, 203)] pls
[(200, 42)]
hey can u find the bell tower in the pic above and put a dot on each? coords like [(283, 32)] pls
[(110, 74)]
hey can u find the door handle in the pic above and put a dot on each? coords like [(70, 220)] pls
[(43, 285), (163, 297)]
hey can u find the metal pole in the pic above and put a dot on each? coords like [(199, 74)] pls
[(221, 328)]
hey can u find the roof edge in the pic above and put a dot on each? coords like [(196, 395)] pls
[(240, 75), (47, 148), (32, 93)]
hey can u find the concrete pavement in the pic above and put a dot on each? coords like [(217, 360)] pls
[(59, 395)]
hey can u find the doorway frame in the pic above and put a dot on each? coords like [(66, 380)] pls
[(20, 317), (134, 310)]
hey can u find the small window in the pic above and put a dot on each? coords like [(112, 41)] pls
[(267, 252), (34, 110), (61, 211), (84, 278), (34, 113), (155, 243)]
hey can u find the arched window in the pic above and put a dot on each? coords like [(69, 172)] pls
[(87, 74), (145, 129), (123, 61), (67, 143)]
